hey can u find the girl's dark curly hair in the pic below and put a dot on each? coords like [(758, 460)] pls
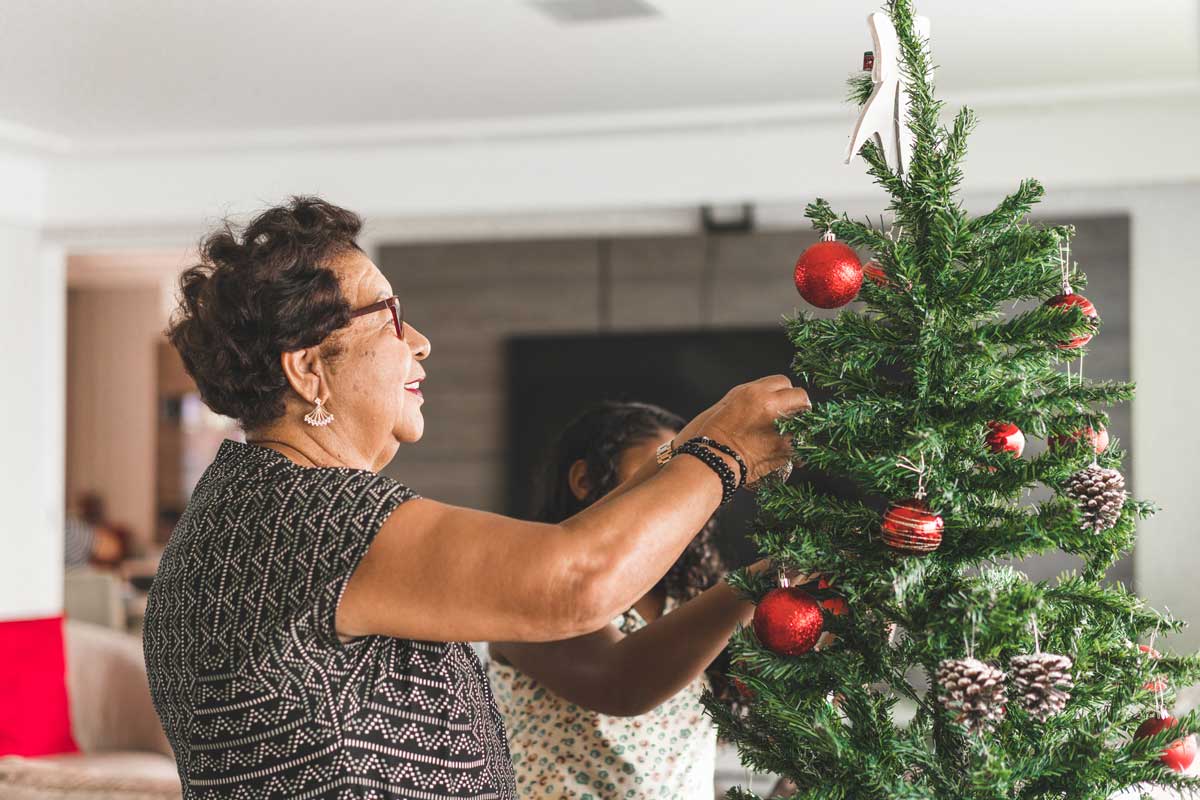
[(258, 292), (599, 437)]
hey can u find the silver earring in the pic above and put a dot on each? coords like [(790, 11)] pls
[(318, 417)]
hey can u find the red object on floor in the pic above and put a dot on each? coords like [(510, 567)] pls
[(35, 716)]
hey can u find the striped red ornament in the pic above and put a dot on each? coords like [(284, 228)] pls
[(1065, 301), (910, 526)]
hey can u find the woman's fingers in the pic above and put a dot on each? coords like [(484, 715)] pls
[(790, 401), (773, 382)]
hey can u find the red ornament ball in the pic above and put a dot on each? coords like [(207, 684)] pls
[(828, 274), (875, 274), (1179, 753), (1004, 437), (1154, 725), (788, 621), (911, 527), (834, 605), (1097, 439), (745, 691), (1065, 301)]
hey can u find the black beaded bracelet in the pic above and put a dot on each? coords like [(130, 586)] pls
[(716, 464), (727, 450)]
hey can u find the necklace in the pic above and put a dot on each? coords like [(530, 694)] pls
[(282, 444)]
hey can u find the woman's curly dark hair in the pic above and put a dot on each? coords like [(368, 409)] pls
[(599, 437), (257, 293)]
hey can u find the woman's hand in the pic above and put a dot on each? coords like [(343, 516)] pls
[(744, 419)]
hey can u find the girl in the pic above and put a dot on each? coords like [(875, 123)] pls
[(616, 713)]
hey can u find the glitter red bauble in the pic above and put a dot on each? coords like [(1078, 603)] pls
[(1004, 437), (828, 274), (911, 527), (834, 605), (1098, 439), (1084, 305), (788, 621)]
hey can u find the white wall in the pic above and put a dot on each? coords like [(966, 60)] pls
[(32, 330)]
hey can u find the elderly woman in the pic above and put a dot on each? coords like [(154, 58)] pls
[(304, 633)]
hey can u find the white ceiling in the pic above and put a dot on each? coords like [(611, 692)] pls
[(106, 70)]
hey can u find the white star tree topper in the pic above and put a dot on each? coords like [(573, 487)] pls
[(884, 116)]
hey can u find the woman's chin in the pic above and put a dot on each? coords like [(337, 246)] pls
[(411, 430)]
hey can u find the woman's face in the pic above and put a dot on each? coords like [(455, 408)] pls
[(375, 391)]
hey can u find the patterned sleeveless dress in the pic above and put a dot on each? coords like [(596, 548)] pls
[(259, 697), (560, 750)]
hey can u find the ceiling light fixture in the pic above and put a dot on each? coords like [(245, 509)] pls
[(581, 11)]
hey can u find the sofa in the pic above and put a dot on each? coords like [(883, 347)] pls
[(124, 754)]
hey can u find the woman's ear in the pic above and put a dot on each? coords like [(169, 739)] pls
[(302, 368), (577, 479)]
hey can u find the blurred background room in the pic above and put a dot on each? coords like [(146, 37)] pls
[(577, 200)]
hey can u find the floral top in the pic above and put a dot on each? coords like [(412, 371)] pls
[(560, 750)]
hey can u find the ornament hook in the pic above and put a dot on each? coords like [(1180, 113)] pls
[(1064, 258), (781, 577), (907, 463)]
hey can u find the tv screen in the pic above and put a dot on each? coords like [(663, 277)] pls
[(551, 379)]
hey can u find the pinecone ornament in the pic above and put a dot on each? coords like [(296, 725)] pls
[(1044, 682), (1100, 494), (973, 691)]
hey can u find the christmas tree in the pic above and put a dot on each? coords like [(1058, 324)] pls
[(924, 667)]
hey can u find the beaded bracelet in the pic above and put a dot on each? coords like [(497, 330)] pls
[(717, 464), (727, 450)]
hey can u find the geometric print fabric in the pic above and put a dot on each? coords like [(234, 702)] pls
[(258, 696)]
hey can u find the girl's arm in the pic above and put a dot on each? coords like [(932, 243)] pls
[(619, 675)]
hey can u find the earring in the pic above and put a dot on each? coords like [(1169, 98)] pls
[(318, 417)]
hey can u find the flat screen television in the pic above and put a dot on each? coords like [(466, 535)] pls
[(551, 379)]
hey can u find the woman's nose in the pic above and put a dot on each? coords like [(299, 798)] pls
[(421, 346)]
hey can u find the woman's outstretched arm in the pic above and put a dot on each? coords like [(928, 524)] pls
[(442, 573)]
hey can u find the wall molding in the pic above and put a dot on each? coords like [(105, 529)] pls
[(48, 143)]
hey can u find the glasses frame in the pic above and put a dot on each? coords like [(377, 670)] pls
[(391, 304)]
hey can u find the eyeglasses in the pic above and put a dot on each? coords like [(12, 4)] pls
[(391, 304)]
